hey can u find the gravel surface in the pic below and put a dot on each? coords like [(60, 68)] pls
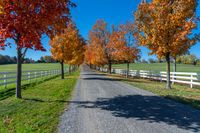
[(104, 105)]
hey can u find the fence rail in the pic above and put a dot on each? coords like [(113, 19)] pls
[(176, 77), (7, 78)]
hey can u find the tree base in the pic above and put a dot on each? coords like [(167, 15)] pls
[(167, 87)]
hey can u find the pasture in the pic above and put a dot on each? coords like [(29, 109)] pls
[(25, 67), (158, 67)]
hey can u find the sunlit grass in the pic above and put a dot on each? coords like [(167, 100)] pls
[(40, 108), (159, 67), (26, 67)]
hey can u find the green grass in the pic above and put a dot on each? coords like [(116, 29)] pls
[(159, 67), (179, 93), (40, 108), (39, 66)]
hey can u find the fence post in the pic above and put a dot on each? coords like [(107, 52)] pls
[(191, 84), (5, 81), (35, 75), (41, 74), (173, 78), (160, 77), (149, 76), (29, 77)]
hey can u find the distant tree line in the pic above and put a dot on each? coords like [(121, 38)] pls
[(184, 59), (151, 60), (46, 59), (188, 59), (5, 59)]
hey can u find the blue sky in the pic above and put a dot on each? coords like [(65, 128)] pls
[(85, 15)]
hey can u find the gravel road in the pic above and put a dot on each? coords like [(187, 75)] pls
[(104, 105)]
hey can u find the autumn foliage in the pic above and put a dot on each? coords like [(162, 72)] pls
[(68, 47), (26, 21), (164, 26), (109, 46)]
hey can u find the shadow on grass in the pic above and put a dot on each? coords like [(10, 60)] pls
[(152, 109), (191, 102), (42, 101), (5, 93)]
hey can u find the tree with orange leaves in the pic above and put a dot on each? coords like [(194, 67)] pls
[(131, 51), (116, 46), (77, 52), (88, 55), (164, 26), (68, 47), (106, 47), (25, 21), (121, 45), (96, 53)]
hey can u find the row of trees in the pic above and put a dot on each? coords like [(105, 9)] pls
[(110, 46), (46, 59), (163, 26), (26, 21)]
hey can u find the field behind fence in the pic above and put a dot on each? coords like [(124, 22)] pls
[(189, 78)]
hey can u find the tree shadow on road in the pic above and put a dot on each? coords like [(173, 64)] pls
[(94, 74), (148, 108), (101, 78), (112, 79)]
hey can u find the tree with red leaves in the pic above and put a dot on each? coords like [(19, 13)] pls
[(25, 21)]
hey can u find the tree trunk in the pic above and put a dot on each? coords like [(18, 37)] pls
[(69, 69), (110, 67), (168, 71), (19, 73), (62, 70), (127, 70)]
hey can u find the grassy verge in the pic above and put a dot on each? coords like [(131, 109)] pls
[(40, 108), (179, 93)]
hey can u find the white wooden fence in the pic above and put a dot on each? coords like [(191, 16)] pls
[(191, 79), (7, 78)]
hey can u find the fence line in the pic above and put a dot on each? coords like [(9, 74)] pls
[(7, 78), (176, 77)]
